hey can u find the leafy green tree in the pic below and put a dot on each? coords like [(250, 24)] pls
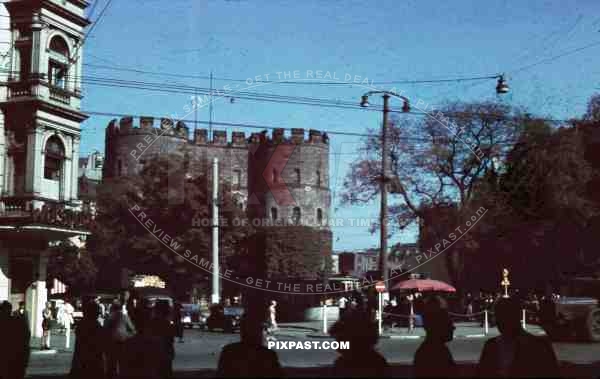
[(166, 199), (538, 207), (73, 266)]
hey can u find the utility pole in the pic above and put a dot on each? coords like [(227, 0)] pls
[(384, 180), (215, 233), (195, 110), (210, 108)]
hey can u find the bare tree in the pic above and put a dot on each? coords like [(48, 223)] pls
[(436, 160), (437, 163)]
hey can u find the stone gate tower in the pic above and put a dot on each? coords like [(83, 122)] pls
[(289, 202)]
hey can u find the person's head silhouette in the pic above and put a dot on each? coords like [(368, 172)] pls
[(357, 328), (508, 316), (91, 310), (5, 309), (437, 323), (252, 329), (116, 307)]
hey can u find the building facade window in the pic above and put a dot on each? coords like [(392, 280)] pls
[(273, 213), (119, 167), (297, 175), (318, 178), (296, 215), (59, 46), (236, 181), (274, 177), (58, 63), (57, 74), (319, 216), (54, 156)]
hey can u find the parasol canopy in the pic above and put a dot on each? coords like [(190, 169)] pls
[(424, 285)]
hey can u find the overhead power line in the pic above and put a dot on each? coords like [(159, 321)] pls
[(89, 31), (554, 57), (162, 87), (301, 82)]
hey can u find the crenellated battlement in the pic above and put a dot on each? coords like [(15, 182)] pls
[(296, 136), (166, 127), (146, 125)]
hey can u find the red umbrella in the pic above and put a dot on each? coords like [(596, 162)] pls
[(423, 285)]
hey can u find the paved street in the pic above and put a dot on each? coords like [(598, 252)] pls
[(201, 350)]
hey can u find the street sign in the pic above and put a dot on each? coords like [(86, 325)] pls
[(380, 286)]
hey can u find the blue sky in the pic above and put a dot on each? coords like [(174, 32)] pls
[(383, 41)]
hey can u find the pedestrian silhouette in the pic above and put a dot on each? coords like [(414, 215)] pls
[(433, 359), (135, 311), (516, 353), (47, 319), (146, 352), (361, 359), (178, 314), (90, 345), (163, 328), (119, 329), (23, 336), (249, 357), (16, 333)]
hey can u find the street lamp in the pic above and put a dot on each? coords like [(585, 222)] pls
[(502, 87), (384, 178)]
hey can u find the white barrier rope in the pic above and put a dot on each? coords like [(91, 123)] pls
[(397, 315), (466, 314)]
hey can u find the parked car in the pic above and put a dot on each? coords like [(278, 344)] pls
[(153, 295), (191, 316), (576, 314), (224, 318)]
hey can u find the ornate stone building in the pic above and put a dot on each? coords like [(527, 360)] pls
[(39, 143)]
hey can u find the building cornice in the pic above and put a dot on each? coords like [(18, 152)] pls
[(66, 112), (16, 6)]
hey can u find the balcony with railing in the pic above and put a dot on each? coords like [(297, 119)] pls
[(20, 212), (14, 208), (59, 94), (19, 89)]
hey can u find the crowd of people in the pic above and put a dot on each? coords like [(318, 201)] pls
[(136, 340), (514, 353)]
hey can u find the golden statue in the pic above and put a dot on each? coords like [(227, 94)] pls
[(505, 282)]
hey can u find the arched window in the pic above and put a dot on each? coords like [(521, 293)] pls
[(59, 46), (54, 156), (319, 216), (296, 215), (274, 213), (57, 67)]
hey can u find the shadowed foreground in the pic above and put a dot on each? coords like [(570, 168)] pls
[(568, 370)]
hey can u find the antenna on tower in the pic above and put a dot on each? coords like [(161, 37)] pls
[(210, 108)]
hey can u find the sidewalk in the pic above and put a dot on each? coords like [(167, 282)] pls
[(57, 344), (314, 329)]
